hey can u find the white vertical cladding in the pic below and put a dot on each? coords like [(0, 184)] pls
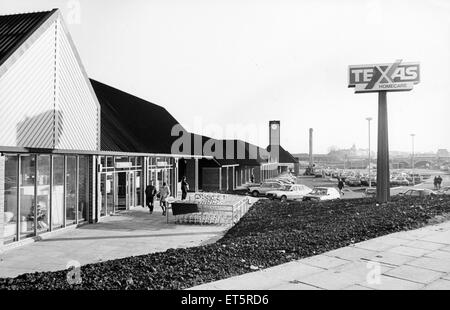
[(27, 96), (76, 106)]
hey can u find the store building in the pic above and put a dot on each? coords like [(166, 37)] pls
[(64, 159), (74, 150)]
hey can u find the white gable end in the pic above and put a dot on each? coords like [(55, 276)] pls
[(27, 96), (46, 100)]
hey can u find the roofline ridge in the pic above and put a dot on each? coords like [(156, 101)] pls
[(33, 12), (30, 34)]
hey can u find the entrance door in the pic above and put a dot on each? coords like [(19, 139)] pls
[(122, 190)]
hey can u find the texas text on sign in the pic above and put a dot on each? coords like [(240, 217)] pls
[(396, 76)]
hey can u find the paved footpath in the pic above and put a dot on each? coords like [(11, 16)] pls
[(129, 233), (416, 259)]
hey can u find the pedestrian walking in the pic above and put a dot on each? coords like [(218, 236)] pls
[(435, 182), (439, 182), (184, 188), (150, 192), (341, 186), (164, 194), (252, 178)]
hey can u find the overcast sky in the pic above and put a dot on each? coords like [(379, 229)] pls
[(218, 64)]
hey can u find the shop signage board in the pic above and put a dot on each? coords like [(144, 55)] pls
[(383, 78), (120, 165), (395, 76)]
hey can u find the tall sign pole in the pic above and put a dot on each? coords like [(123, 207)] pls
[(382, 78), (383, 175)]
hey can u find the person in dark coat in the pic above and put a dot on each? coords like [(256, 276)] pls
[(340, 186), (184, 188), (150, 192), (439, 182), (435, 182)]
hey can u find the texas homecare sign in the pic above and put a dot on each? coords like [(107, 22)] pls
[(395, 76)]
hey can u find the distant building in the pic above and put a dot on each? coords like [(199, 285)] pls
[(443, 153)]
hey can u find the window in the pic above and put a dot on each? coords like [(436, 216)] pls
[(27, 180), (58, 192), (83, 189), (43, 193), (10, 199), (71, 189)]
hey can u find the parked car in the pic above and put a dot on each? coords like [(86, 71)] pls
[(353, 181), (265, 187), (414, 178), (400, 181), (365, 181), (418, 193), (322, 193), (290, 192), (246, 186)]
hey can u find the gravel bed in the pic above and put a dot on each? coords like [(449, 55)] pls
[(271, 233)]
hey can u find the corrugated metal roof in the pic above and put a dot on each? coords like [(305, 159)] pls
[(16, 28)]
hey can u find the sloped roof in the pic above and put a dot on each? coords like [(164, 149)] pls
[(131, 124), (284, 157), (16, 28)]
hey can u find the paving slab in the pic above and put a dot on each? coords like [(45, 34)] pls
[(414, 274), (439, 254), (439, 237), (293, 271), (364, 268), (295, 287), (391, 258), (436, 264), (446, 249), (409, 251), (374, 245), (333, 279), (390, 283), (351, 253), (356, 287), (426, 245), (440, 284), (324, 261)]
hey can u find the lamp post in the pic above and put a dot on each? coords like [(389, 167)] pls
[(412, 159), (370, 183)]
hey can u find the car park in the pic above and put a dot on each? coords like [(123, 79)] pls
[(290, 192), (322, 193), (262, 189), (418, 193)]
